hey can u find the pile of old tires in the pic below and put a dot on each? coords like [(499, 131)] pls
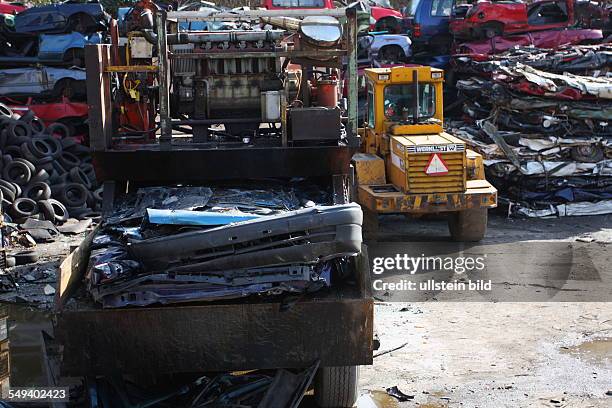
[(44, 173)]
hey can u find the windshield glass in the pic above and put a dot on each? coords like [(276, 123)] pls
[(399, 102), (299, 3)]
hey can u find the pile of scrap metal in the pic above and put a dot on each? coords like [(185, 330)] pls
[(172, 245), (544, 132), (251, 389)]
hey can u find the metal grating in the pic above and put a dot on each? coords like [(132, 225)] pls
[(421, 182)]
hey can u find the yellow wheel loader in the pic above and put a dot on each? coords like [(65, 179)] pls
[(408, 164)]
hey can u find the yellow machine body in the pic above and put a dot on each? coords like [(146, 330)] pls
[(408, 163)]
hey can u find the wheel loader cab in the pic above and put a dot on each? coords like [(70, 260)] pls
[(409, 164)]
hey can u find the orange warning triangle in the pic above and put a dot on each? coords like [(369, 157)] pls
[(436, 166)]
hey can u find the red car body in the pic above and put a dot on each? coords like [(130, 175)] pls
[(488, 19), (540, 39), (8, 8), (376, 12)]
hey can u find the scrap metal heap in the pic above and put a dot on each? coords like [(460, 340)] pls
[(541, 119), (185, 244)]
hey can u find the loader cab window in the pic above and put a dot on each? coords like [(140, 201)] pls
[(400, 102), (370, 102)]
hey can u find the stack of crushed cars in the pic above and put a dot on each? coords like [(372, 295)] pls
[(42, 60), (542, 120), (167, 245)]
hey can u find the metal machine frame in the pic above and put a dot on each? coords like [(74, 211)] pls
[(178, 161)]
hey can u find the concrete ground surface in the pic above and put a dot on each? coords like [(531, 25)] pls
[(497, 354)]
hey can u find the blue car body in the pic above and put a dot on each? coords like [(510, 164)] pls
[(53, 47), (432, 17), (55, 18)]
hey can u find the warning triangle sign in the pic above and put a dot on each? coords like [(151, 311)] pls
[(436, 166)]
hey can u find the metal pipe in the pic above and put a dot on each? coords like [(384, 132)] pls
[(165, 138), (351, 37), (415, 89), (215, 121)]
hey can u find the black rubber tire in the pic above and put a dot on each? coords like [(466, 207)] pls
[(53, 211), (39, 147), (5, 111), (46, 209), (25, 257), (8, 185), (17, 172), (587, 154), (8, 195), (73, 195), (23, 208), (54, 144), (492, 29), (68, 143), (41, 175), (58, 129), (69, 160), (468, 225), (336, 386), (3, 138), (37, 125), (98, 194), (59, 168), (78, 176), (17, 189), (28, 163), (37, 191), (27, 154), (17, 129), (392, 53)]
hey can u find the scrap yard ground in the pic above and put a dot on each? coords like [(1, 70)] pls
[(485, 354)]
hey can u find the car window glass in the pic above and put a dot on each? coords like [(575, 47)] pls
[(441, 8)]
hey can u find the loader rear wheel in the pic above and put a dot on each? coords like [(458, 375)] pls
[(468, 225), (336, 387)]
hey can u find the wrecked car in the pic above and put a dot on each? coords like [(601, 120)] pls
[(42, 82), (49, 49), (65, 17), (487, 19), (538, 39), (392, 48)]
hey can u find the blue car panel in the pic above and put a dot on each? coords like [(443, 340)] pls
[(52, 47), (56, 17), (432, 17)]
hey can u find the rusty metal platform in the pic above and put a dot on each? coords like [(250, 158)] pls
[(334, 326)]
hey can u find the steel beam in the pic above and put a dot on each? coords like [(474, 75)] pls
[(165, 138)]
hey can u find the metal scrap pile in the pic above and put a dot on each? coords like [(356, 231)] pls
[(541, 119), (171, 245)]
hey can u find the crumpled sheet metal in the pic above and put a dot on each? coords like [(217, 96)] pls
[(541, 131), (563, 210), (598, 87)]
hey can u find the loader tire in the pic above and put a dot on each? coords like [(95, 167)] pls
[(336, 387), (468, 225)]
